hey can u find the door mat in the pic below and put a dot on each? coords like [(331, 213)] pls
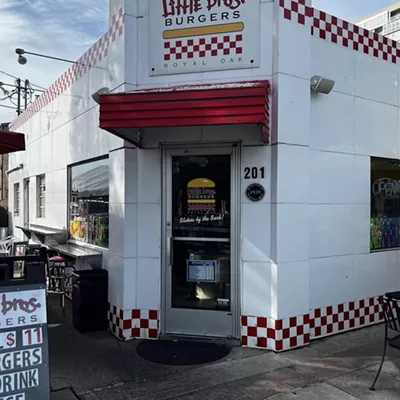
[(181, 352)]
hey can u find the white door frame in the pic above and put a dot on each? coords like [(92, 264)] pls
[(195, 149)]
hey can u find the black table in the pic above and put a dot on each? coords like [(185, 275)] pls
[(393, 295)]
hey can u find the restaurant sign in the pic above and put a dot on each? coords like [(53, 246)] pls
[(188, 36), (24, 363)]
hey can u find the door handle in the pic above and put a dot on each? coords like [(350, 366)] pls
[(171, 250)]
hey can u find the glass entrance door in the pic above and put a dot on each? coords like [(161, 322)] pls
[(199, 284)]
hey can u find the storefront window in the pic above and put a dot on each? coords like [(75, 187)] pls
[(385, 203), (88, 202), (41, 196), (16, 199)]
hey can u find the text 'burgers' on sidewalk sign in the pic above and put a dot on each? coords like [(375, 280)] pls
[(24, 358)]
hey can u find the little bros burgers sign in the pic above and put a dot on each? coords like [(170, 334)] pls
[(203, 35)]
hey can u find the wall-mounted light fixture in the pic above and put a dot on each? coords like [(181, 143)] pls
[(319, 84), (23, 60), (18, 167)]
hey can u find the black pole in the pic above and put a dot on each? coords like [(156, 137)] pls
[(26, 94), (18, 81)]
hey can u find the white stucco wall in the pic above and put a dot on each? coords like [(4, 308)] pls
[(321, 151), (63, 133), (358, 120)]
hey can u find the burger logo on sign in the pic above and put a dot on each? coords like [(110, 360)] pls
[(203, 35), (201, 195)]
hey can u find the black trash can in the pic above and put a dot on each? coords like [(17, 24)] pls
[(90, 300)]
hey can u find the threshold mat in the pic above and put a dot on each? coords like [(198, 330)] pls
[(181, 352)]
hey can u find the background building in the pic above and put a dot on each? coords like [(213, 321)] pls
[(385, 22)]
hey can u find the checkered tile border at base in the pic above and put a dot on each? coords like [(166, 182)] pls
[(83, 65), (289, 333), (134, 324), (203, 47), (355, 314), (276, 335), (346, 34)]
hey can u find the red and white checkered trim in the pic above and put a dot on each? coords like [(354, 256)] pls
[(134, 324), (84, 64), (258, 332), (355, 314), (297, 10), (276, 335), (333, 29), (187, 49), (289, 333), (292, 332)]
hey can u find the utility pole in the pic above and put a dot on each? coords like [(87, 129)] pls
[(26, 88), (21, 94), (18, 84)]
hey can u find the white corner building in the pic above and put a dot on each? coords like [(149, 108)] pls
[(239, 177)]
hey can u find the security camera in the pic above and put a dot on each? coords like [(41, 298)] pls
[(96, 96), (318, 84)]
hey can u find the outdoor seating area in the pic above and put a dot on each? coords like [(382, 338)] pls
[(58, 267), (59, 255)]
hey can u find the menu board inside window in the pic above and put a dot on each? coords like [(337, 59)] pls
[(385, 204), (89, 200)]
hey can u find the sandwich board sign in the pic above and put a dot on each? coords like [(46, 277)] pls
[(187, 36), (24, 356)]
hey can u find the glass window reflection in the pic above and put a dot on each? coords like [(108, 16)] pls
[(88, 202)]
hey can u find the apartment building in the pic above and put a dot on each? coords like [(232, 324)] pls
[(385, 22)]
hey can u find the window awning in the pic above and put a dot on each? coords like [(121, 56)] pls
[(218, 104), (11, 142)]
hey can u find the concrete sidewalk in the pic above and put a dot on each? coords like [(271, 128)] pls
[(99, 367), (64, 394)]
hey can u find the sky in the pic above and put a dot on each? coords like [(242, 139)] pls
[(67, 28)]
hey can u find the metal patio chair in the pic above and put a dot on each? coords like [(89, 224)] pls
[(7, 249), (390, 305), (6, 245)]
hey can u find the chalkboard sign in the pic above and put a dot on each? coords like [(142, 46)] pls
[(24, 357)]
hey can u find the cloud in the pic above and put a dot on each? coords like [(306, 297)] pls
[(59, 28)]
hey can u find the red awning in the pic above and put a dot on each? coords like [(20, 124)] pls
[(219, 104), (11, 142)]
